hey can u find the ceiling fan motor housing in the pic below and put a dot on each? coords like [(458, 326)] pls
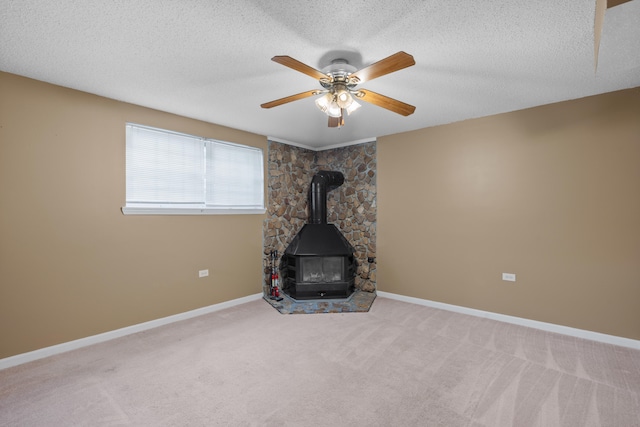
[(339, 71)]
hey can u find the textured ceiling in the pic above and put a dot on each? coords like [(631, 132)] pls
[(210, 60)]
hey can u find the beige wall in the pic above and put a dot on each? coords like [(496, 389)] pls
[(551, 194), (71, 264)]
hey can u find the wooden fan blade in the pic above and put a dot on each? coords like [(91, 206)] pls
[(289, 99), (392, 63), (613, 3), (336, 122), (386, 102), (288, 61)]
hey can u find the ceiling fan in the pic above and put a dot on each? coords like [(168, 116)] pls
[(339, 81)]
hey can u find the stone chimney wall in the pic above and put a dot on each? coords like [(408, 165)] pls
[(352, 207)]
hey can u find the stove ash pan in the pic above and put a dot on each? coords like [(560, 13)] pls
[(319, 262)]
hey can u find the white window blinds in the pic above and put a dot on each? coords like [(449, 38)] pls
[(170, 172), (164, 167), (234, 176)]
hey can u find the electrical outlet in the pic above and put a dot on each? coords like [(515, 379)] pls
[(203, 273), (509, 277)]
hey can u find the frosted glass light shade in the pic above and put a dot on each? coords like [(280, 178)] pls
[(353, 107)]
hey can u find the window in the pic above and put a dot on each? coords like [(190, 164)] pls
[(174, 173)]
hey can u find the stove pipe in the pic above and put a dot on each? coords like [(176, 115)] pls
[(321, 184)]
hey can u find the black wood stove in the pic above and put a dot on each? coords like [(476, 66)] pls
[(319, 262)]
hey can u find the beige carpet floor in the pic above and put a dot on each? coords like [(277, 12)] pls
[(397, 365)]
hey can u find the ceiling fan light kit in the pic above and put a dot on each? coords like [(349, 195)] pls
[(336, 99), (339, 81)]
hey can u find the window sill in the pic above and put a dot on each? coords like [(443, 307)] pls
[(127, 210)]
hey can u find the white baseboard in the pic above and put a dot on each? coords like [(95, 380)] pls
[(106, 336), (549, 327), (95, 339)]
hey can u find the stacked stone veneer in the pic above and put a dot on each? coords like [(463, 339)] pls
[(351, 207)]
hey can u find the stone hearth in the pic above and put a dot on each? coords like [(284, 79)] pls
[(359, 302)]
